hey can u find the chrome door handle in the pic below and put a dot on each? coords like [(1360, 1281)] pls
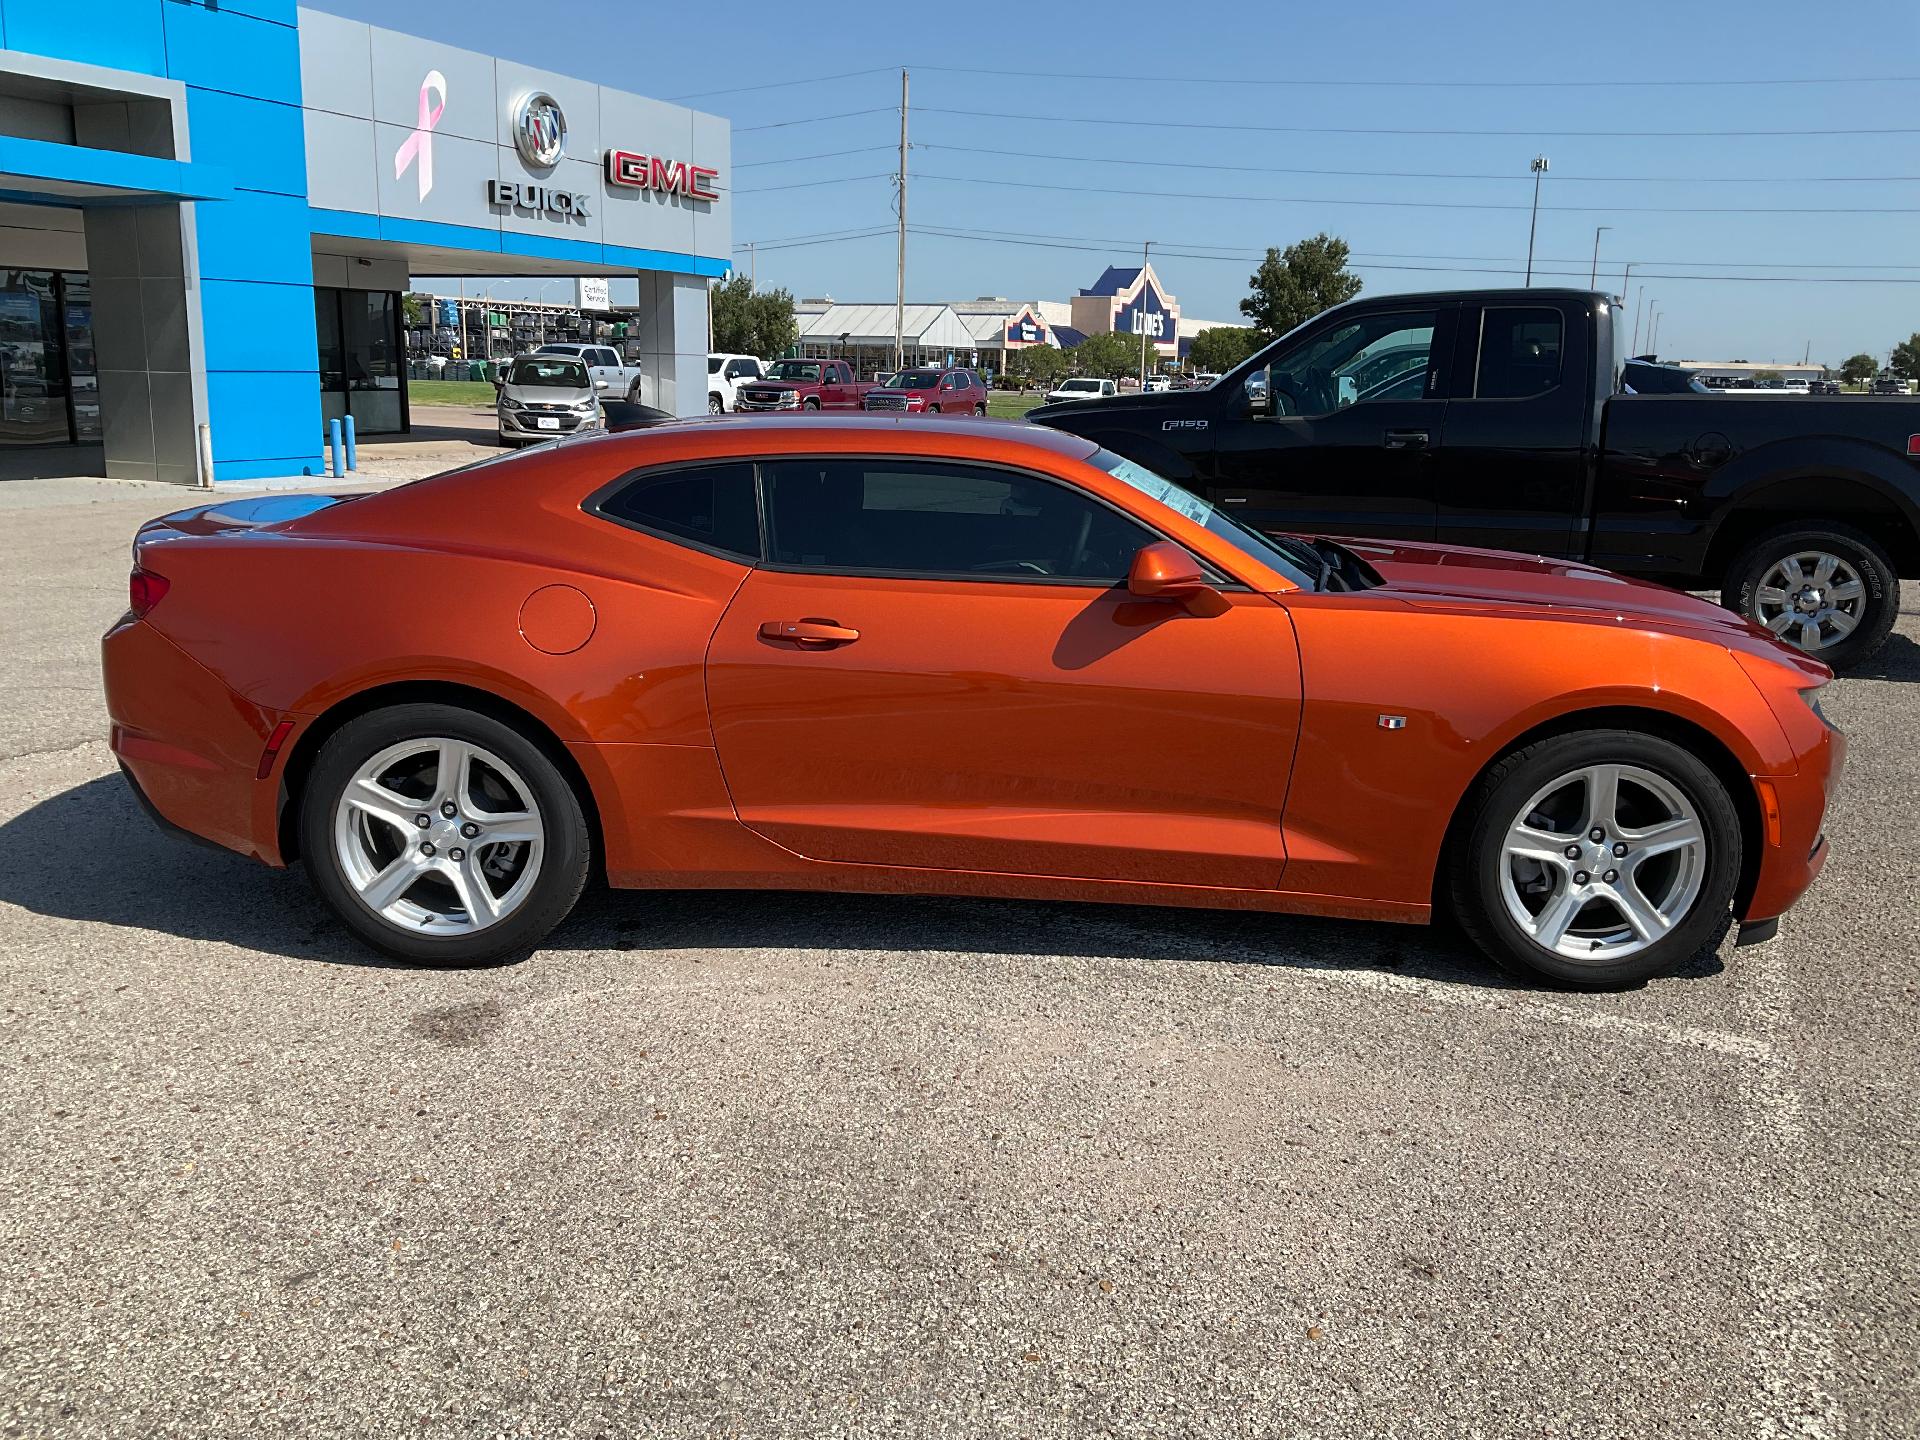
[(1406, 439), (809, 634)]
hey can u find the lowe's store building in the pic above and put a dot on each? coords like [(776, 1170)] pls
[(209, 211)]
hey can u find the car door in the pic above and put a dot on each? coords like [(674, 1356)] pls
[(1512, 474), (939, 667), (1344, 440)]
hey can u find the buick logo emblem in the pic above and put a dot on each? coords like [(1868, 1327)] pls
[(539, 129)]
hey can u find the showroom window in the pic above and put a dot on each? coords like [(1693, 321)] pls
[(906, 517), (49, 388)]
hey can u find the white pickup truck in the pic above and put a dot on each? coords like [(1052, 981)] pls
[(725, 375), (611, 379)]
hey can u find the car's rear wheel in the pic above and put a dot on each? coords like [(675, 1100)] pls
[(980, 409), (442, 835), (1827, 589), (633, 393), (716, 405), (1597, 859)]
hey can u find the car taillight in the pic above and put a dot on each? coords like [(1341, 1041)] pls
[(145, 590), (1913, 445)]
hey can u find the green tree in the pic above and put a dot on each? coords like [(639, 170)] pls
[(1906, 357), (1107, 356), (1858, 369), (416, 308), (1294, 285), (1041, 363), (1218, 350), (750, 322)]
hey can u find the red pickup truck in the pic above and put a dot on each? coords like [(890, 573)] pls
[(805, 385)]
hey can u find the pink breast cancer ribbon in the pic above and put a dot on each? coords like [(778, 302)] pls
[(419, 145)]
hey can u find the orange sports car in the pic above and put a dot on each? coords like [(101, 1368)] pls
[(950, 657)]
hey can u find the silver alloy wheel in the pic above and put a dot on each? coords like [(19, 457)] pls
[(1812, 599), (439, 836), (1603, 862), (715, 405)]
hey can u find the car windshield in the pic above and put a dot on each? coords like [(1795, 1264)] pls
[(795, 370), (914, 380), (1081, 385), (553, 371), (1290, 562)]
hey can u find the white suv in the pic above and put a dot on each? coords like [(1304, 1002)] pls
[(725, 374)]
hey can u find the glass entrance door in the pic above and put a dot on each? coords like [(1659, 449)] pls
[(362, 359), (33, 367)]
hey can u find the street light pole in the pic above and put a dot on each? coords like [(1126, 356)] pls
[(1140, 313), (1593, 275), (1539, 169), (1653, 329)]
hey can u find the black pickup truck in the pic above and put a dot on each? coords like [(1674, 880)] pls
[(1497, 418)]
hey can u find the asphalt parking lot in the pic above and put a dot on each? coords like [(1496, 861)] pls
[(770, 1165)]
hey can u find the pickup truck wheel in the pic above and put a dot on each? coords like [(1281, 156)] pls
[(716, 405), (633, 393), (810, 405), (1597, 859), (1825, 588)]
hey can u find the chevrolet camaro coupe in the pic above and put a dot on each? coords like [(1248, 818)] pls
[(951, 657)]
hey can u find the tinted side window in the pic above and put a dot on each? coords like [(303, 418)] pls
[(1520, 352), (1373, 357), (710, 505), (907, 517)]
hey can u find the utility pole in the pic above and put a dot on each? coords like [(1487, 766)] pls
[(753, 270), (900, 270), (1539, 169), (1593, 275), (1140, 313), (1633, 346)]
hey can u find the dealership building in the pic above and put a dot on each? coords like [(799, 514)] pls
[(210, 209)]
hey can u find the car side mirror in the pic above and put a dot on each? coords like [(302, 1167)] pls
[(1163, 571), (1260, 404)]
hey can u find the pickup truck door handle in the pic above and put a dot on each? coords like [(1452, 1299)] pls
[(809, 634), (1406, 439)]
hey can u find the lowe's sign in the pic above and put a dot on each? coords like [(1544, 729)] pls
[(1149, 315)]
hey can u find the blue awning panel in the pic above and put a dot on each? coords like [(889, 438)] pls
[(49, 173)]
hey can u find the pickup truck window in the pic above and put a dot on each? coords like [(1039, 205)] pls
[(1520, 352), (742, 370), (803, 370), (1376, 357)]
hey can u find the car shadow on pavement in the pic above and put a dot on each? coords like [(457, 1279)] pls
[(88, 854), (1897, 659)]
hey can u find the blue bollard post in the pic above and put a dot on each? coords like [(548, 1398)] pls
[(353, 462), (333, 448)]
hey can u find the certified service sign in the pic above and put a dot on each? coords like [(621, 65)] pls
[(539, 129)]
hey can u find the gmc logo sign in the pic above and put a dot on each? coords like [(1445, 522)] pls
[(669, 177)]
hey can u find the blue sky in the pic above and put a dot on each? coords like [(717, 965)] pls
[(1014, 228)]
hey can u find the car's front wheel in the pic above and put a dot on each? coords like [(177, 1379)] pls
[(1597, 859), (715, 404), (439, 834)]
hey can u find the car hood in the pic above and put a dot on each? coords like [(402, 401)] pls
[(546, 394), (1457, 577), (1152, 406)]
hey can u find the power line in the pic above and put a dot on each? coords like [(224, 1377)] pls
[(1423, 130), (1438, 204), (785, 84), (888, 110), (1509, 270), (845, 238), (1130, 160), (811, 184), (1512, 269), (1292, 82), (824, 155), (807, 235)]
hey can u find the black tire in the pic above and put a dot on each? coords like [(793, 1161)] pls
[(716, 405), (564, 865), (1478, 858), (1879, 606), (633, 393), (980, 410), (810, 405)]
